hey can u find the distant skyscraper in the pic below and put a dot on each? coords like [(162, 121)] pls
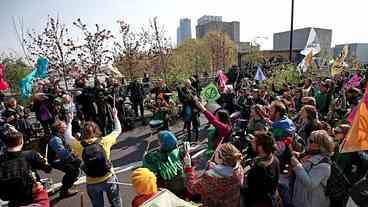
[(184, 31), (208, 24)]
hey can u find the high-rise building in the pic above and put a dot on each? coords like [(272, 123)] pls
[(184, 31), (206, 19), (281, 40), (208, 24)]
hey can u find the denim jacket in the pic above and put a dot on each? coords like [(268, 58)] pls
[(58, 150)]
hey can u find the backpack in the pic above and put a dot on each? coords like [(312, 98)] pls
[(337, 184), (16, 180), (96, 164)]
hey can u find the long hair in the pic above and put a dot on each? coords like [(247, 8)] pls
[(229, 154), (91, 130)]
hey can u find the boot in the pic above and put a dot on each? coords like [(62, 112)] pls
[(65, 193)]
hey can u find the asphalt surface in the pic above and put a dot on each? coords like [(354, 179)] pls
[(126, 154)]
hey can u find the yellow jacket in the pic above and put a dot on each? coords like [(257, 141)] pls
[(107, 142)]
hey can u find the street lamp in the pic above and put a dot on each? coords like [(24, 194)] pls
[(291, 32)]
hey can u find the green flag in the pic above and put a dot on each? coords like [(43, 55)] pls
[(210, 93)]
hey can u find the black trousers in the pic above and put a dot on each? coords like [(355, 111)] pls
[(71, 170), (139, 104)]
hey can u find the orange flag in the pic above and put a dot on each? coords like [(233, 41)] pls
[(357, 138), (309, 58)]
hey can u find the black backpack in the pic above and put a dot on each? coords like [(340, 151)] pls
[(16, 180), (338, 184), (96, 163)]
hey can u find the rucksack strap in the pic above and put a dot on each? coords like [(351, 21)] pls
[(84, 143)]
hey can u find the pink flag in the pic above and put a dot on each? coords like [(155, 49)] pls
[(353, 82), (221, 80), (3, 84)]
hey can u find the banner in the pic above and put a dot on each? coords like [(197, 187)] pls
[(210, 93), (357, 137), (166, 198), (259, 75), (3, 84)]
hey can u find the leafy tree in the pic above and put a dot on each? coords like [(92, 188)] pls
[(222, 50)]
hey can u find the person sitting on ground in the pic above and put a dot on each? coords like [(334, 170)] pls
[(312, 174), (95, 153), (219, 186), (166, 163), (263, 177), (144, 184), (61, 157), (221, 121), (18, 186)]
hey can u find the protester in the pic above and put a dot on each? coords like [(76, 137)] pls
[(312, 174), (166, 163), (221, 122), (190, 113), (17, 183), (220, 184), (137, 96), (309, 122), (61, 157), (95, 153), (263, 177), (256, 121), (144, 184)]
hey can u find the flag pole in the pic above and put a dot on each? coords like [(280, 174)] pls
[(291, 32)]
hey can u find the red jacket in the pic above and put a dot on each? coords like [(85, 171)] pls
[(223, 130), (216, 191), (140, 199)]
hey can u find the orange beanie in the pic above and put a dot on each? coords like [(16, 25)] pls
[(144, 181)]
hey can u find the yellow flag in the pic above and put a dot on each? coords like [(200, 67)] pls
[(357, 138), (338, 66)]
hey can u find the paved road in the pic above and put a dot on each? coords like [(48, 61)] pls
[(127, 152)]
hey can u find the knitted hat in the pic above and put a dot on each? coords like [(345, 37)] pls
[(168, 140), (144, 181)]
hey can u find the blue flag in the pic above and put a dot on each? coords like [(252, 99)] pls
[(27, 82), (41, 68), (259, 75), (26, 85)]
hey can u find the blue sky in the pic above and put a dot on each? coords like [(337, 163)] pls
[(257, 17)]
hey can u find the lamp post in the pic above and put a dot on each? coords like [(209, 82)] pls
[(291, 32)]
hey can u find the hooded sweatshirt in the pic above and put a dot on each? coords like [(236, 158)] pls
[(282, 128), (219, 186)]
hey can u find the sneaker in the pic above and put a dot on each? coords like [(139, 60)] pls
[(68, 193)]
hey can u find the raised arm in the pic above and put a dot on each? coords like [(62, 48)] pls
[(111, 138)]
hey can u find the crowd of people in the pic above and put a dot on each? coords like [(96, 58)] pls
[(288, 153)]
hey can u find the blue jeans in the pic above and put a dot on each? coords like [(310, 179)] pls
[(95, 193)]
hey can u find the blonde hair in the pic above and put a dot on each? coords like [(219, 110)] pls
[(229, 154), (324, 141)]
